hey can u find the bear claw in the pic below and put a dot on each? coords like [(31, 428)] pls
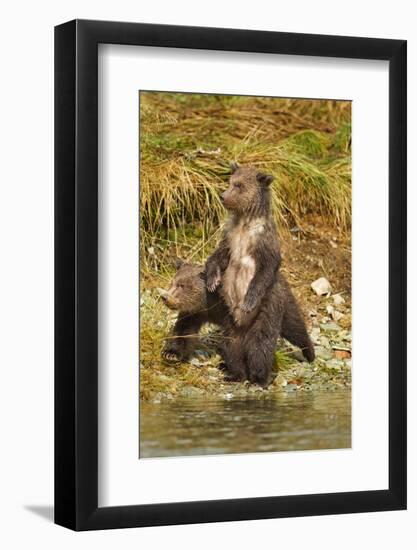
[(170, 356)]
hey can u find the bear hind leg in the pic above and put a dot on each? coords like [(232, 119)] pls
[(234, 364), (294, 330)]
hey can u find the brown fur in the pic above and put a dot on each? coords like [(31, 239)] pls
[(247, 263), (196, 306), (248, 256)]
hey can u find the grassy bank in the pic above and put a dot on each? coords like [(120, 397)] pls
[(186, 144)]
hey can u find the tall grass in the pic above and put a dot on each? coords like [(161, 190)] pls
[(188, 140)]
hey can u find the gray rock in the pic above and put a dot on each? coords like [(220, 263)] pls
[(321, 287), (323, 353), (324, 341), (335, 364), (330, 327), (315, 334)]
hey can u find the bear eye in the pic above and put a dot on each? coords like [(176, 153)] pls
[(180, 285), (238, 185)]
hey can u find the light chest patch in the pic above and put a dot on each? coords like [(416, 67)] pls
[(243, 237), (241, 269)]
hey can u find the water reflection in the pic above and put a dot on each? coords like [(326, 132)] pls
[(284, 422)]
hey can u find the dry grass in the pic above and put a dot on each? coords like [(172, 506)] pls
[(188, 140)]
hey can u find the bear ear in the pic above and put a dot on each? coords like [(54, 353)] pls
[(233, 167), (178, 263), (264, 179)]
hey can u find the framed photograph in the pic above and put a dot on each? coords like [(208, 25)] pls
[(230, 275)]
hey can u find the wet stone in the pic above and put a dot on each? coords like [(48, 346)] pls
[(330, 327)]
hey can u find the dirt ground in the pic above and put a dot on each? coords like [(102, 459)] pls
[(318, 251)]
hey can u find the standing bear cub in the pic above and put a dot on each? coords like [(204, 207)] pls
[(196, 306), (247, 263)]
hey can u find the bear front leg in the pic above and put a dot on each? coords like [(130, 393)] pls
[(267, 262), (213, 277), (175, 350), (216, 265), (180, 346)]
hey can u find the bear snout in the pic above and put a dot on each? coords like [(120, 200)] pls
[(226, 200), (171, 303), (167, 298)]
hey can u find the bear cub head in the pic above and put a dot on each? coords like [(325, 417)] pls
[(248, 190), (187, 293)]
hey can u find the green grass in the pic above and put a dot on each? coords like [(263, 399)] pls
[(188, 140)]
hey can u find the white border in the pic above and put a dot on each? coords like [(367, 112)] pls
[(123, 479)]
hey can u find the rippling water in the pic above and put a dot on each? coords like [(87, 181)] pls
[(284, 422)]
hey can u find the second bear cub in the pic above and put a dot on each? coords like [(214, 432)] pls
[(196, 306)]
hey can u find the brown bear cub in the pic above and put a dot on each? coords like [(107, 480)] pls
[(196, 306), (247, 263)]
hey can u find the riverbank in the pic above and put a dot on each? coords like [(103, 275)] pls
[(317, 251), (186, 144)]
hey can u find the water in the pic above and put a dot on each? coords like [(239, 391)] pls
[(284, 422)]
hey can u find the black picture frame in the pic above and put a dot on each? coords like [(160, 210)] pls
[(76, 272)]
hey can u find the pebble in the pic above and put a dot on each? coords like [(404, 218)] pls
[(315, 334), (323, 353), (280, 381), (299, 372), (335, 364), (324, 341), (330, 326), (321, 286), (342, 354), (338, 299), (334, 313)]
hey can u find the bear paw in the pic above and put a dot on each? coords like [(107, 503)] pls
[(248, 305), (213, 279), (170, 356), (233, 378)]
